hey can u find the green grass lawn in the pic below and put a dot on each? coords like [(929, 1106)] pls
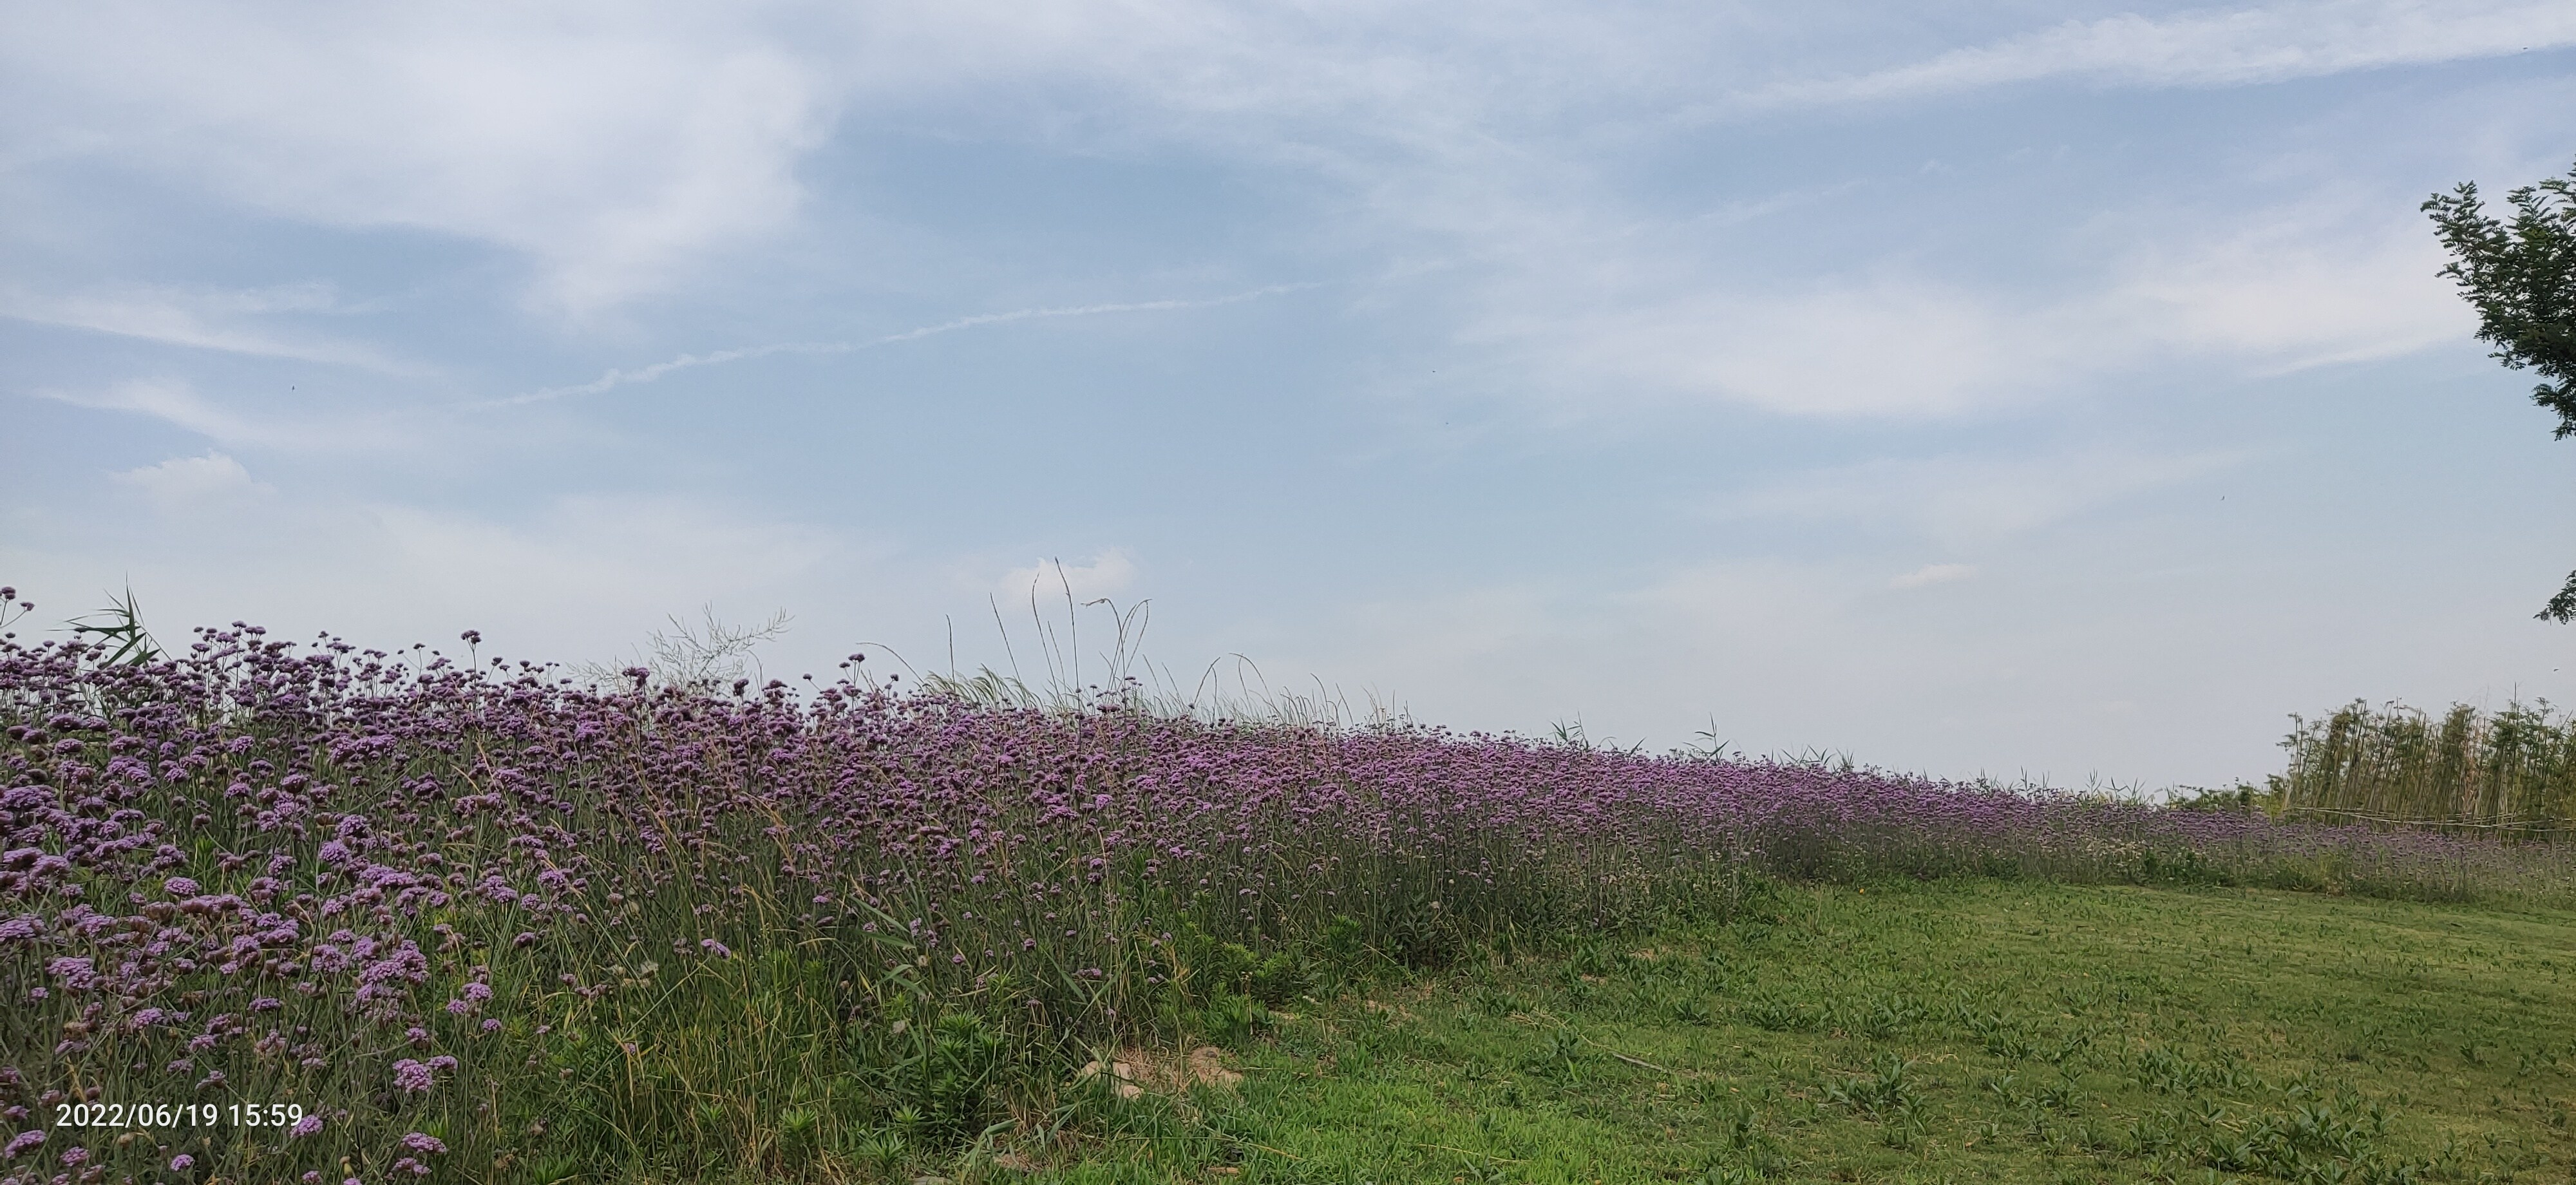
[(1950, 1031)]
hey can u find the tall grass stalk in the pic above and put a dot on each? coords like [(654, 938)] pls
[(2511, 772)]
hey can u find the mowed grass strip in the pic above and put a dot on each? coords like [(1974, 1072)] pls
[(1923, 1032)]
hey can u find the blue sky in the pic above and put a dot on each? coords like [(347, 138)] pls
[(2060, 390)]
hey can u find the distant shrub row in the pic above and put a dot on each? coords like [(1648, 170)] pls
[(2510, 772)]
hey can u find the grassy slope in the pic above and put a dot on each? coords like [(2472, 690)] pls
[(2055, 1034)]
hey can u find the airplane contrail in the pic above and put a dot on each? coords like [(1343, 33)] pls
[(620, 376)]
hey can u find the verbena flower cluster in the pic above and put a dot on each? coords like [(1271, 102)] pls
[(428, 901)]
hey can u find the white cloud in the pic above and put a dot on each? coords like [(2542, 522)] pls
[(171, 400), (566, 578), (610, 145), (620, 147), (1726, 604), (1474, 624), (1933, 574), (1961, 501), (199, 318), (176, 402), (1106, 574), (1597, 323), (193, 484), (2288, 288), (634, 558), (2219, 47), (2099, 649), (653, 372), (1893, 346)]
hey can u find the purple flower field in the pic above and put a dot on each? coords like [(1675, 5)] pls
[(326, 913)]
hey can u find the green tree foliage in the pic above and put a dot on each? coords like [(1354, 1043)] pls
[(2521, 276)]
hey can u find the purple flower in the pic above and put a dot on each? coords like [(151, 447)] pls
[(421, 1143), (305, 1126), (983, 823), (22, 1142), (406, 963), (75, 974), (182, 1163), (75, 1156)]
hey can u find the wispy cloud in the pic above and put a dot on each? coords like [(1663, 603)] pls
[(1933, 574), (1967, 502), (2216, 47), (621, 377), (193, 485), (1601, 324), (619, 150), (1886, 346), (1105, 574), (609, 148), (554, 578), (170, 400), (200, 318), (642, 553), (2308, 284), (178, 403)]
